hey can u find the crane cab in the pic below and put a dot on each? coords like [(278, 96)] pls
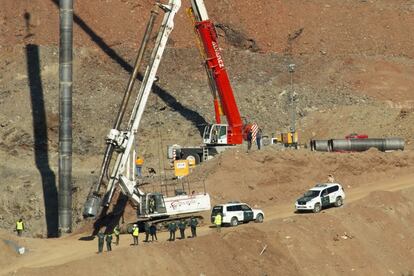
[(153, 205), (215, 134)]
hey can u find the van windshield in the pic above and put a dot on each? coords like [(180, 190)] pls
[(311, 193)]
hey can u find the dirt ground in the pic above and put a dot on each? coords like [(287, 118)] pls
[(370, 235), (354, 73)]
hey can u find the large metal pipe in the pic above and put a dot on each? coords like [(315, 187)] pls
[(319, 145), (94, 201), (65, 116), (382, 144)]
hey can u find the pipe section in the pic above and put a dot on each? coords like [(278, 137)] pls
[(65, 116), (386, 144), (319, 145)]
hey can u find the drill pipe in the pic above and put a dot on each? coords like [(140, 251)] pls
[(93, 202)]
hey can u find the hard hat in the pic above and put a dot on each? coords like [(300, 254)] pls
[(135, 225)]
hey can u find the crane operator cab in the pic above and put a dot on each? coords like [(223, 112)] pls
[(215, 134), (153, 204)]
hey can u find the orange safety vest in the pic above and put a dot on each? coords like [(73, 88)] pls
[(139, 162)]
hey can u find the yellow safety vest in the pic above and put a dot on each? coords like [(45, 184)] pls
[(19, 225), (135, 232), (139, 162), (116, 232), (217, 220)]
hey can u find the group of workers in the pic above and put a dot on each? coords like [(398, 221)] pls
[(250, 139), (150, 230), (182, 225), (108, 238)]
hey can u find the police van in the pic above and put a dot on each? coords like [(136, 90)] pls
[(234, 213), (321, 196)]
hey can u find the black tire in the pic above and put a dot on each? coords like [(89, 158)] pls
[(317, 208), (234, 221), (339, 202), (192, 155), (259, 218)]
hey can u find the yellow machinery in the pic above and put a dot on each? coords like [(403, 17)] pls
[(288, 139)]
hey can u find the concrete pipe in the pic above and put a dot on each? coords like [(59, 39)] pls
[(386, 144), (394, 144), (319, 145)]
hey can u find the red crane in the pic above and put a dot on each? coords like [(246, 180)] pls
[(220, 134)]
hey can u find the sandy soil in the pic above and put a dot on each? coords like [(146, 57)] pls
[(362, 237), (354, 73)]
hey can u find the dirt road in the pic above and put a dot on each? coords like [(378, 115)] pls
[(401, 183), (55, 252)]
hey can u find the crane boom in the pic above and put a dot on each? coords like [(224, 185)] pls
[(214, 62), (123, 140)]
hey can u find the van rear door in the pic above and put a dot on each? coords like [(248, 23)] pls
[(216, 210)]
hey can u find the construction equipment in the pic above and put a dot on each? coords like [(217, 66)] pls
[(290, 138), (154, 206), (216, 137)]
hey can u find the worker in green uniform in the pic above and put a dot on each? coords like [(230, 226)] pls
[(101, 238), (117, 231), (147, 230), (153, 231), (193, 224), (182, 225), (172, 227), (109, 242)]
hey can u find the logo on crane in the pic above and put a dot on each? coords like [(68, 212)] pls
[(219, 58), (178, 204)]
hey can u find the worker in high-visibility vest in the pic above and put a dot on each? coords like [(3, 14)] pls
[(19, 227), (217, 222), (117, 231), (135, 233), (138, 165)]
